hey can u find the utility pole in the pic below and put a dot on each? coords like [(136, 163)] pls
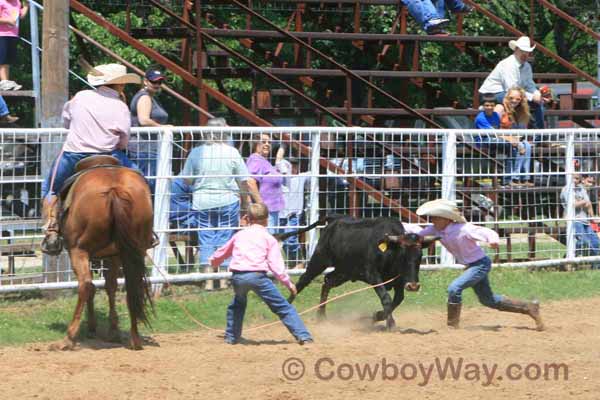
[(55, 92)]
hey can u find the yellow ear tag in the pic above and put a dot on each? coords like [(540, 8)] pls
[(382, 246)]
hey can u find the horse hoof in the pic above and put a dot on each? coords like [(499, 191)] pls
[(64, 345), (136, 345), (114, 337)]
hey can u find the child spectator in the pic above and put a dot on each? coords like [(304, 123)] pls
[(493, 144), (587, 240), (11, 12), (460, 238), (254, 252)]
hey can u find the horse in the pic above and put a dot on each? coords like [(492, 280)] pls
[(106, 214)]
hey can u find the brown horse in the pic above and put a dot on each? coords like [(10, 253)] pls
[(109, 215)]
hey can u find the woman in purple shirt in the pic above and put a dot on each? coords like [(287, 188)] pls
[(266, 179), (460, 238)]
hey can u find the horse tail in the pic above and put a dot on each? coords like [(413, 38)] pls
[(132, 255)]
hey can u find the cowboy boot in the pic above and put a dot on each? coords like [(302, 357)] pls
[(52, 242), (209, 284), (454, 314), (531, 308)]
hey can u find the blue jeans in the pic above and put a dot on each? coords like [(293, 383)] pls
[(424, 11), (3, 108), (259, 283), (587, 241), (273, 222), (523, 163), (495, 145), (476, 276), (291, 246), (218, 217), (66, 168), (147, 163)]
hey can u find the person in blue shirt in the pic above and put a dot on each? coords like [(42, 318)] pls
[(494, 144)]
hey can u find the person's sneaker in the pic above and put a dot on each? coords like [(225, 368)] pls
[(9, 119), (437, 26), (9, 85), (231, 341), (303, 342)]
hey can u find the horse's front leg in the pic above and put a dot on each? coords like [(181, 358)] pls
[(80, 263)]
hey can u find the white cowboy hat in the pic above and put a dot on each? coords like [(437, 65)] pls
[(442, 208), (111, 74), (522, 43)]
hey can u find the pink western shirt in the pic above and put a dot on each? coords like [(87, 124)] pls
[(460, 239), (98, 121), (253, 249), (12, 11)]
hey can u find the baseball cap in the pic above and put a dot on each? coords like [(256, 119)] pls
[(154, 75)]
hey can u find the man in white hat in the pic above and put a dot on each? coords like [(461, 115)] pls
[(98, 121), (514, 70), (461, 239)]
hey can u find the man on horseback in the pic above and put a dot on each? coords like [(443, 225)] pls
[(99, 122)]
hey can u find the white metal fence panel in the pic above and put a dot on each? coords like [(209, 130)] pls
[(527, 185)]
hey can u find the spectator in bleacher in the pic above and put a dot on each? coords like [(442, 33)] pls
[(11, 12), (5, 116), (293, 192), (494, 143), (516, 116), (430, 14), (147, 111), (217, 198), (587, 240), (516, 71), (266, 179), (98, 122)]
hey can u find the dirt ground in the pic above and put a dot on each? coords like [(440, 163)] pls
[(502, 357)]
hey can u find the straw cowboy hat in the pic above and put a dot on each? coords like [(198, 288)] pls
[(441, 208), (522, 43), (111, 74)]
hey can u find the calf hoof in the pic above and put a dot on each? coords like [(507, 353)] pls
[(390, 323), (321, 316), (379, 316)]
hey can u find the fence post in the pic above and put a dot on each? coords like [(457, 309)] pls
[(162, 200), (448, 181), (35, 62), (315, 157), (570, 209)]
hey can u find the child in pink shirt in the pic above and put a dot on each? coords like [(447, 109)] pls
[(461, 239), (255, 252)]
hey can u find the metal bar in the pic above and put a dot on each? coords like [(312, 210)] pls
[(369, 37), (35, 63)]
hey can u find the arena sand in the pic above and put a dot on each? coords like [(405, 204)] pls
[(502, 357)]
